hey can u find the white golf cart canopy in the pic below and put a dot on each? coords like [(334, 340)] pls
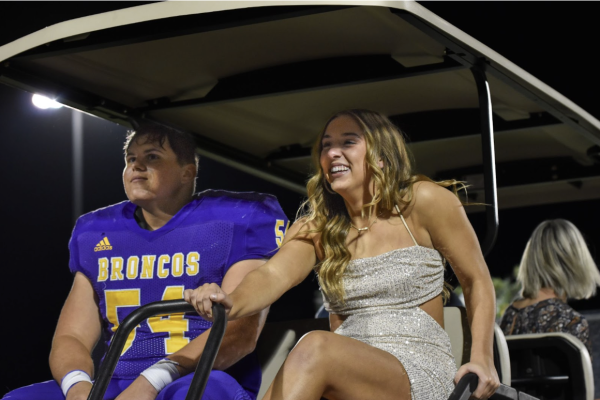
[(255, 82)]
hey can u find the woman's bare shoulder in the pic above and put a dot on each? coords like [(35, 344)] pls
[(303, 228), (430, 199)]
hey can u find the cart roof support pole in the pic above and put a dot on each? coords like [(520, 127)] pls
[(489, 162)]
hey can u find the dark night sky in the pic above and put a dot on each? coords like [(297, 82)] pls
[(555, 41)]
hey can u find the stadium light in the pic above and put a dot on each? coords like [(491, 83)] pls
[(44, 102)]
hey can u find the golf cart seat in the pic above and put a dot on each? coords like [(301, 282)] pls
[(551, 366)]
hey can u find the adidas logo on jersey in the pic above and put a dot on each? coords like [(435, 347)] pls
[(103, 245)]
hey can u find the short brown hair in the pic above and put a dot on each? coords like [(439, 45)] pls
[(182, 143)]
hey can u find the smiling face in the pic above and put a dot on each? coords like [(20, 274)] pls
[(153, 173), (342, 159)]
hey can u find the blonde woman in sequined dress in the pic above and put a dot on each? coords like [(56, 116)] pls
[(377, 236)]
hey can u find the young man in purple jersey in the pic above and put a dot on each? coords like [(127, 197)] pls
[(163, 240)]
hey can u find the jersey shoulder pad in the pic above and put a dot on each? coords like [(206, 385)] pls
[(226, 195), (108, 214)]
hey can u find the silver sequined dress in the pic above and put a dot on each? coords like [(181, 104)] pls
[(382, 298)]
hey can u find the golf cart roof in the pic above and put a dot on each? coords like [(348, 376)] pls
[(255, 81)]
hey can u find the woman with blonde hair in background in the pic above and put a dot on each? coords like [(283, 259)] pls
[(377, 236), (556, 266)]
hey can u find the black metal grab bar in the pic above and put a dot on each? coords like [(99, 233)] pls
[(157, 308), (478, 66), (489, 161), (213, 343), (468, 383)]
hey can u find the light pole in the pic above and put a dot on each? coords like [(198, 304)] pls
[(44, 103), (77, 139)]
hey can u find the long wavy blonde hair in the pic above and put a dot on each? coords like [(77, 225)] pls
[(326, 211)]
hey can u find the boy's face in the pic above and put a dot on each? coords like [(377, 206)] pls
[(152, 172)]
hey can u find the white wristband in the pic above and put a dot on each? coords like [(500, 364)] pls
[(72, 378), (162, 373)]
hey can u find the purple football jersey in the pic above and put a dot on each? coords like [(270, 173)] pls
[(129, 266)]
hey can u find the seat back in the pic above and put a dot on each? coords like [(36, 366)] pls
[(456, 326), (276, 341), (551, 366), (501, 356)]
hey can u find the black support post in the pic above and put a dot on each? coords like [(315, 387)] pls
[(489, 162)]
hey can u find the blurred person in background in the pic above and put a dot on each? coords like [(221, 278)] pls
[(556, 266)]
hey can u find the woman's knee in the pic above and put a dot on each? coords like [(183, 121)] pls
[(311, 350)]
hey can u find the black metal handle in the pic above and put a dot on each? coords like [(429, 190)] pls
[(141, 314), (465, 387), (209, 354), (468, 383)]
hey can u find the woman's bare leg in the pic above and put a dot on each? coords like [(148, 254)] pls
[(325, 364)]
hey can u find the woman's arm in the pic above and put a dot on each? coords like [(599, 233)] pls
[(77, 332), (263, 286), (444, 217)]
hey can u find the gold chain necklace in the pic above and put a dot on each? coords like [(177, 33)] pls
[(366, 228)]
